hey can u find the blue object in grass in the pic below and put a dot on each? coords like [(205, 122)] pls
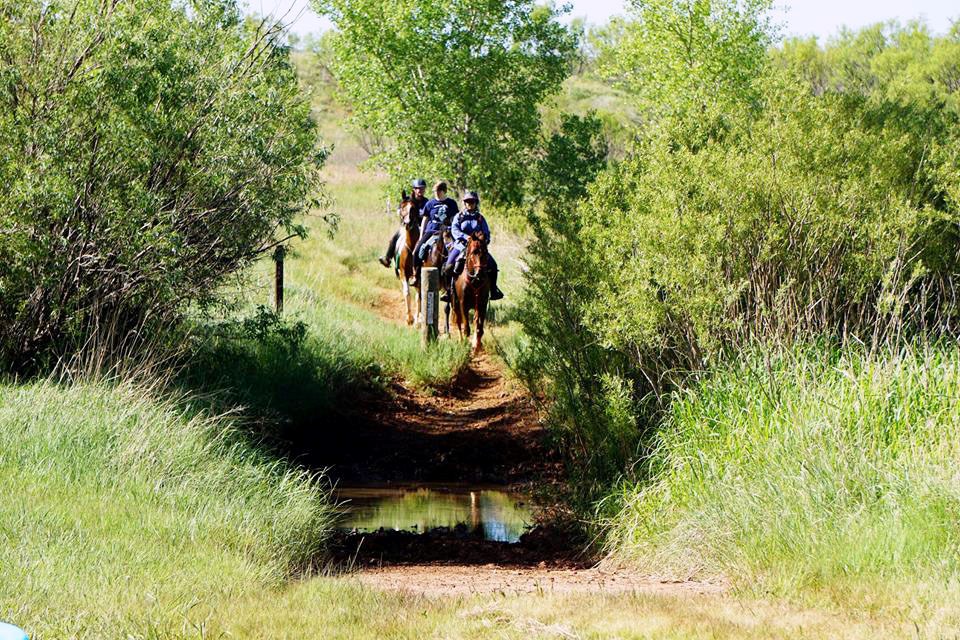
[(10, 632)]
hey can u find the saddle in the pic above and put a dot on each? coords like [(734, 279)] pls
[(428, 245)]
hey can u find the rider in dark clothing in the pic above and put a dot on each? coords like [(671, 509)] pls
[(438, 212), (419, 201)]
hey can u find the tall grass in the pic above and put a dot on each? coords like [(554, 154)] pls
[(816, 469), (120, 511)]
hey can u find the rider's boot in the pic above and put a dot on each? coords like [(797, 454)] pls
[(448, 274), (495, 293), (387, 258)]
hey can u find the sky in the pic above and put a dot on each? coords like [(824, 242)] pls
[(798, 17)]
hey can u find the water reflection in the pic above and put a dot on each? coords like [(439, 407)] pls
[(490, 513)]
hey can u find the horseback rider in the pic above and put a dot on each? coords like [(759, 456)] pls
[(465, 223), (438, 212), (419, 201)]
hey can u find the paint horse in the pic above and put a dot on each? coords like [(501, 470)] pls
[(405, 270), (471, 289)]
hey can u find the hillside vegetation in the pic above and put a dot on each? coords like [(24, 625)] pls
[(776, 196)]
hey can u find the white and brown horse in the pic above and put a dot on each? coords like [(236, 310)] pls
[(405, 269)]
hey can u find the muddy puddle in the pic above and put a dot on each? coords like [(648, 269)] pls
[(487, 513)]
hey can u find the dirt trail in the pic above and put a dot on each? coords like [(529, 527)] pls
[(483, 430), (480, 429)]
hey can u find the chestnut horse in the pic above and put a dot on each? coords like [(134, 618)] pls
[(405, 270), (436, 257), (471, 290)]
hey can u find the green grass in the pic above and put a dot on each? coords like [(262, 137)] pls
[(125, 517), (122, 512), (820, 474)]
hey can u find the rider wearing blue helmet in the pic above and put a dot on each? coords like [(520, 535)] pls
[(419, 201), (466, 223)]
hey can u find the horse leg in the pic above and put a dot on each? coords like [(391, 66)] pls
[(480, 317), (418, 319), (406, 298), (465, 312), (457, 311)]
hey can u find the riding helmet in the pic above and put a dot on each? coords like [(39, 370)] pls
[(471, 195), (419, 183)]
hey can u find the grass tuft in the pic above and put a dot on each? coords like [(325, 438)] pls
[(120, 508), (815, 471)]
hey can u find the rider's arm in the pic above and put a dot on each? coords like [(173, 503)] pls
[(458, 235), (425, 217)]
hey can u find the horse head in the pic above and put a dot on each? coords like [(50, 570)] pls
[(476, 255), (405, 211)]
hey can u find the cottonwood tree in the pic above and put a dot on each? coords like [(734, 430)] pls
[(454, 84), (693, 60), (148, 150)]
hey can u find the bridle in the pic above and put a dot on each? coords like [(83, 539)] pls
[(407, 222), (472, 277)]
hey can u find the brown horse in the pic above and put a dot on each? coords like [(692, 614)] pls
[(405, 269), (436, 257), (471, 290)]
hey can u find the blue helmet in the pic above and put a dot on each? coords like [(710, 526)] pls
[(419, 183)]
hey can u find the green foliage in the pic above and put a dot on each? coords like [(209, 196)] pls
[(828, 208), (688, 58), (147, 151), (455, 85), (295, 377), (122, 510), (815, 468), (571, 159)]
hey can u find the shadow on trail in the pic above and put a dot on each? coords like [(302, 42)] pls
[(477, 430), (312, 404)]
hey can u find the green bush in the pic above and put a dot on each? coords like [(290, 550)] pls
[(571, 158), (148, 151), (813, 468)]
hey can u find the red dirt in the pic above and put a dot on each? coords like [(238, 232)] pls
[(481, 429), (447, 581)]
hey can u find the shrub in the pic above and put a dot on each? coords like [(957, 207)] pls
[(824, 206), (571, 158), (148, 150)]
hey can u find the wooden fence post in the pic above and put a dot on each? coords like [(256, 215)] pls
[(430, 311), (278, 255)]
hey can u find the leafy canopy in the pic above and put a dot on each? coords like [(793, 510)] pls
[(454, 85), (696, 58)]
